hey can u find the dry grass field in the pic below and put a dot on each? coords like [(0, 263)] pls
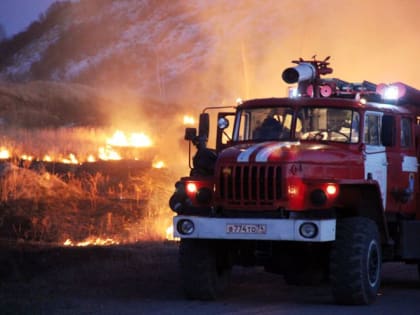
[(51, 193)]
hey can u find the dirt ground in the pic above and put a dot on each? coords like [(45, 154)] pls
[(143, 279), (58, 280)]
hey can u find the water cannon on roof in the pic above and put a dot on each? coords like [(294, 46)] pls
[(302, 72), (307, 73)]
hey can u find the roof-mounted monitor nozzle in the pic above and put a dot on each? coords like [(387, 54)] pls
[(307, 72), (302, 72)]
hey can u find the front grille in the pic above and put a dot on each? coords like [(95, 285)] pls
[(250, 185)]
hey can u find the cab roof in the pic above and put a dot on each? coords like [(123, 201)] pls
[(361, 104)]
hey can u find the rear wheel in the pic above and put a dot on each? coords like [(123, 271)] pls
[(205, 269), (356, 261)]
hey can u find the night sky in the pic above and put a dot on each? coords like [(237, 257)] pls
[(16, 15)]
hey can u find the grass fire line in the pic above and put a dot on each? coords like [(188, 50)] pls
[(116, 195), (113, 148)]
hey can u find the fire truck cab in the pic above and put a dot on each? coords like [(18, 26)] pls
[(321, 186)]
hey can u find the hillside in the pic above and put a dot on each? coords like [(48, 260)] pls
[(39, 104), (210, 52), (51, 104)]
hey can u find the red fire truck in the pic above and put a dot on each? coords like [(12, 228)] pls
[(319, 186)]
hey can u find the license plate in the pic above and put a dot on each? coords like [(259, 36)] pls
[(246, 228)]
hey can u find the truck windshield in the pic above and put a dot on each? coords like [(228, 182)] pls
[(311, 123), (327, 124), (263, 124)]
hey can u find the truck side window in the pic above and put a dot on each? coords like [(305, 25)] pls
[(244, 127), (355, 125), (406, 139), (388, 131), (372, 133)]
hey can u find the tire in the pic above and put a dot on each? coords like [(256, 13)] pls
[(205, 270), (356, 262)]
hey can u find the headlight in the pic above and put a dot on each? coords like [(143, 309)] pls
[(308, 230), (185, 227), (191, 187), (331, 190)]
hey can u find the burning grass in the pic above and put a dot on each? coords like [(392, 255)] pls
[(84, 208), (84, 166), (74, 145)]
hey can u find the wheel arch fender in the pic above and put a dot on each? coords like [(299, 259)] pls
[(364, 200)]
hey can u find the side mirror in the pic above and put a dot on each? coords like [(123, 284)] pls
[(223, 123), (190, 134), (204, 126)]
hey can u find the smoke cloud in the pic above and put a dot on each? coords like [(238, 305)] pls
[(253, 41)]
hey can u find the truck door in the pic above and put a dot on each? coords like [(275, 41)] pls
[(375, 154), (409, 167), (393, 155)]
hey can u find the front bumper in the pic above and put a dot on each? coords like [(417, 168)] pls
[(255, 229)]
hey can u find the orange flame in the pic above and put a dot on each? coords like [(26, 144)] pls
[(4, 153), (47, 158), (158, 164), (137, 140), (107, 153), (70, 160), (170, 234), (26, 157), (189, 120), (107, 150)]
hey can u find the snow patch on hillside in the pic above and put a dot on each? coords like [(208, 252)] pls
[(23, 60)]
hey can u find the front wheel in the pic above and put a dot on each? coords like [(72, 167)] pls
[(205, 269), (356, 261)]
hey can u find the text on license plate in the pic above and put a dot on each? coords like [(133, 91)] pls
[(246, 228)]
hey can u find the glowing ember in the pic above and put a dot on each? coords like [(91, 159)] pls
[(189, 120), (92, 242), (4, 153), (137, 140)]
